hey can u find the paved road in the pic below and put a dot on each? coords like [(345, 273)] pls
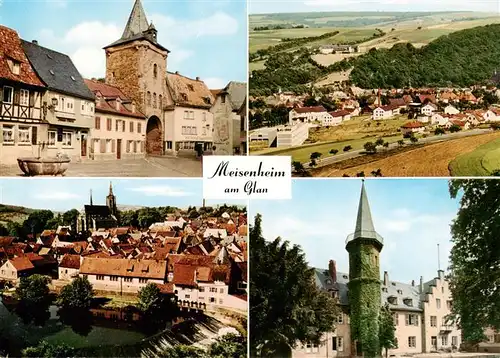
[(147, 167), (433, 139)]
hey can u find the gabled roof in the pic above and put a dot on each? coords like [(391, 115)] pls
[(237, 94), (414, 124), (310, 109), (70, 261), (11, 48), (189, 92), (340, 113), (21, 263), (57, 71), (124, 267)]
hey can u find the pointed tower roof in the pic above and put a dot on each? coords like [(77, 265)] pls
[(364, 223), (137, 21), (91, 198), (138, 28), (110, 188)]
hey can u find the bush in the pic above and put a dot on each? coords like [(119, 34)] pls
[(386, 145), (315, 155), (439, 131), (379, 141), (413, 139), (334, 151), (347, 148), (401, 142), (370, 148), (455, 128), (361, 174), (77, 294)]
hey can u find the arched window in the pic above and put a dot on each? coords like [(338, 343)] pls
[(155, 70), (154, 100), (149, 98)]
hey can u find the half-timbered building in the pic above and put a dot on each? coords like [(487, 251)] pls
[(22, 120)]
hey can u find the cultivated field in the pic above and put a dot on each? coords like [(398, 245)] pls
[(429, 161), (480, 162)]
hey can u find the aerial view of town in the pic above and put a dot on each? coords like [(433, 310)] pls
[(399, 88), (133, 89), (129, 268), (368, 274)]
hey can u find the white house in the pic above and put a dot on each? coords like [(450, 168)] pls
[(385, 112), (449, 109), (428, 109), (69, 267), (308, 115), (413, 127), (340, 116), (439, 119)]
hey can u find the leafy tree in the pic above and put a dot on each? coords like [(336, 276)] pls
[(278, 271), (439, 131), (401, 142), (148, 216), (55, 222), (70, 218), (78, 294), (3, 230), (347, 148), (150, 299), (386, 145), (229, 345), (370, 148), (377, 173), (360, 174), (310, 102), (315, 155), (413, 139), (379, 142), (34, 290), (455, 128), (37, 221), (47, 350), (475, 256), (297, 166), (129, 218), (334, 151), (387, 330), (312, 163)]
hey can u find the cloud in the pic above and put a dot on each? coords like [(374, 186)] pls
[(56, 195), (160, 190), (214, 82)]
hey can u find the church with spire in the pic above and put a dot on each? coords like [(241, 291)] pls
[(94, 217), (419, 310)]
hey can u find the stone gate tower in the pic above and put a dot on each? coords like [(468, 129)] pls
[(364, 247), (137, 64)]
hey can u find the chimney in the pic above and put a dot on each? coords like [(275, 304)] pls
[(413, 283), (176, 72), (35, 42), (441, 274), (332, 269), (197, 78), (421, 284), (386, 278)]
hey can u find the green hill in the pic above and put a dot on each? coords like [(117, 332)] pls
[(11, 213), (461, 59)]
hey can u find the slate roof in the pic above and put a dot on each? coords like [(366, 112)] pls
[(398, 289), (66, 78), (237, 94), (101, 210), (11, 48), (137, 28), (189, 92)]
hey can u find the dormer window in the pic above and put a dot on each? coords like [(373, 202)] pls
[(384, 289), (408, 302), (207, 100), (16, 68), (184, 96), (223, 98), (400, 292), (73, 78), (393, 300), (191, 88)]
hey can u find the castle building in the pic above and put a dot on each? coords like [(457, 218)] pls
[(94, 217), (177, 108), (420, 311)]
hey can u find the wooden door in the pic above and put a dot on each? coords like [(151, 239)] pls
[(84, 146), (118, 149)]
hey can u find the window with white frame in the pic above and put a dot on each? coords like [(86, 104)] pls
[(444, 340), (70, 105), (8, 134), (108, 146), (454, 341), (312, 348), (61, 103), (189, 115), (52, 138), (25, 135), (433, 321), (193, 130), (340, 318), (24, 99), (412, 342), (8, 94), (411, 320), (66, 139), (16, 68)]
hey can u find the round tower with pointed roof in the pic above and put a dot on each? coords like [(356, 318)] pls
[(364, 247)]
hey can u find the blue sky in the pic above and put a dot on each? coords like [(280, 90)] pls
[(65, 194), (207, 38), (412, 215), (280, 6)]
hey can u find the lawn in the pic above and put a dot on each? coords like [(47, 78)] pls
[(302, 154), (480, 162)]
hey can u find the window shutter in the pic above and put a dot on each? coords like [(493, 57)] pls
[(103, 146), (113, 145), (32, 99), (97, 122), (334, 343), (33, 135)]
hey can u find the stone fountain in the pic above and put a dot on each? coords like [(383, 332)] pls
[(33, 166)]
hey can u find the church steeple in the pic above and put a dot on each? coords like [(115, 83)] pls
[(137, 21), (111, 201), (91, 198), (110, 188)]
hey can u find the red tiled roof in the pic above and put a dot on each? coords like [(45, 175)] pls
[(6, 241), (10, 48), (340, 113), (21, 263), (108, 102), (189, 92), (414, 124), (397, 102), (310, 109), (166, 287), (70, 261)]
